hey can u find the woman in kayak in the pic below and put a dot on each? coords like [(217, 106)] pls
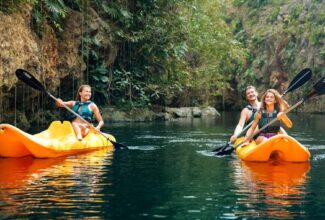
[(85, 108), (272, 106)]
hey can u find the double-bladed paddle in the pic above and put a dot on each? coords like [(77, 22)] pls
[(300, 79), (317, 90), (30, 80)]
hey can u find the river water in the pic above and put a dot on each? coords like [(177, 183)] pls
[(169, 173)]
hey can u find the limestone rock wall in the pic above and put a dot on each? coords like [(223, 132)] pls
[(50, 55)]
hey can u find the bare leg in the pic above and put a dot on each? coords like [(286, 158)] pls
[(84, 131), (260, 139), (77, 130)]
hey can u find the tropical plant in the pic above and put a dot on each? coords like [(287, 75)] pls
[(50, 11)]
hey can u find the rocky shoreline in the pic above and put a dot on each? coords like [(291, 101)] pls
[(157, 114), (43, 118)]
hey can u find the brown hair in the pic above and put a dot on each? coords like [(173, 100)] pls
[(250, 87), (280, 105), (78, 98), (245, 90)]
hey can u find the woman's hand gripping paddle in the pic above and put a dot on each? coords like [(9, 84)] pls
[(300, 79), (30, 80), (317, 90)]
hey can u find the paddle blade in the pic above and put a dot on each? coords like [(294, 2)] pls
[(302, 77), (221, 148), (286, 120), (320, 86), (318, 89), (118, 145), (225, 152), (30, 80)]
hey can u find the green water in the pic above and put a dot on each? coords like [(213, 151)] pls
[(168, 173)]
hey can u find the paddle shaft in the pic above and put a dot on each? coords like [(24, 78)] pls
[(30, 80), (301, 78), (77, 115), (274, 120), (85, 121), (318, 89), (249, 125), (292, 87)]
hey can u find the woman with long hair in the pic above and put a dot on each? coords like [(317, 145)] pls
[(272, 106)]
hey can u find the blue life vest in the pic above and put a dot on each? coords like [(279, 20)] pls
[(82, 109), (266, 118)]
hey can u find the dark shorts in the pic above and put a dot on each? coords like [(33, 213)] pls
[(267, 135)]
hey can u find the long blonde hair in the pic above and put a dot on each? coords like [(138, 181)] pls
[(280, 105), (78, 98)]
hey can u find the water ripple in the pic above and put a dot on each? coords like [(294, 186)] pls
[(318, 157), (145, 148), (316, 147)]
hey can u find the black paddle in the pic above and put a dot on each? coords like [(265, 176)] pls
[(318, 89), (30, 80), (300, 79)]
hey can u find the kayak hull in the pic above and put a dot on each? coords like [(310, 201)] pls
[(57, 141), (280, 147), (10, 142)]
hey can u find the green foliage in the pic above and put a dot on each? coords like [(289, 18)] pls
[(260, 62), (185, 52), (214, 52), (289, 52), (284, 42), (249, 77), (317, 35), (128, 90), (257, 39), (165, 46), (251, 3), (11, 6), (238, 3), (273, 15), (73, 4), (151, 52), (257, 3), (295, 11), (117, 11), (51, 11), (96, 70)]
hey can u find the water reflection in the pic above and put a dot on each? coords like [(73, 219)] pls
[(46, 185), (163, 176), (271, 190)]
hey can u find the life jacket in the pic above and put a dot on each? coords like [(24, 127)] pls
[(254, 110), (82, 109), (266, 118)]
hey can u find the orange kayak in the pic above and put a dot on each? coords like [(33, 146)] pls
[(280, 147), (58, 140)]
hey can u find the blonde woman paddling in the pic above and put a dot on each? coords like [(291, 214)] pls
[(85, 108)]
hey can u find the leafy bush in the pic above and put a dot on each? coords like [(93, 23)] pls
[(273, 15), (50, 11)]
